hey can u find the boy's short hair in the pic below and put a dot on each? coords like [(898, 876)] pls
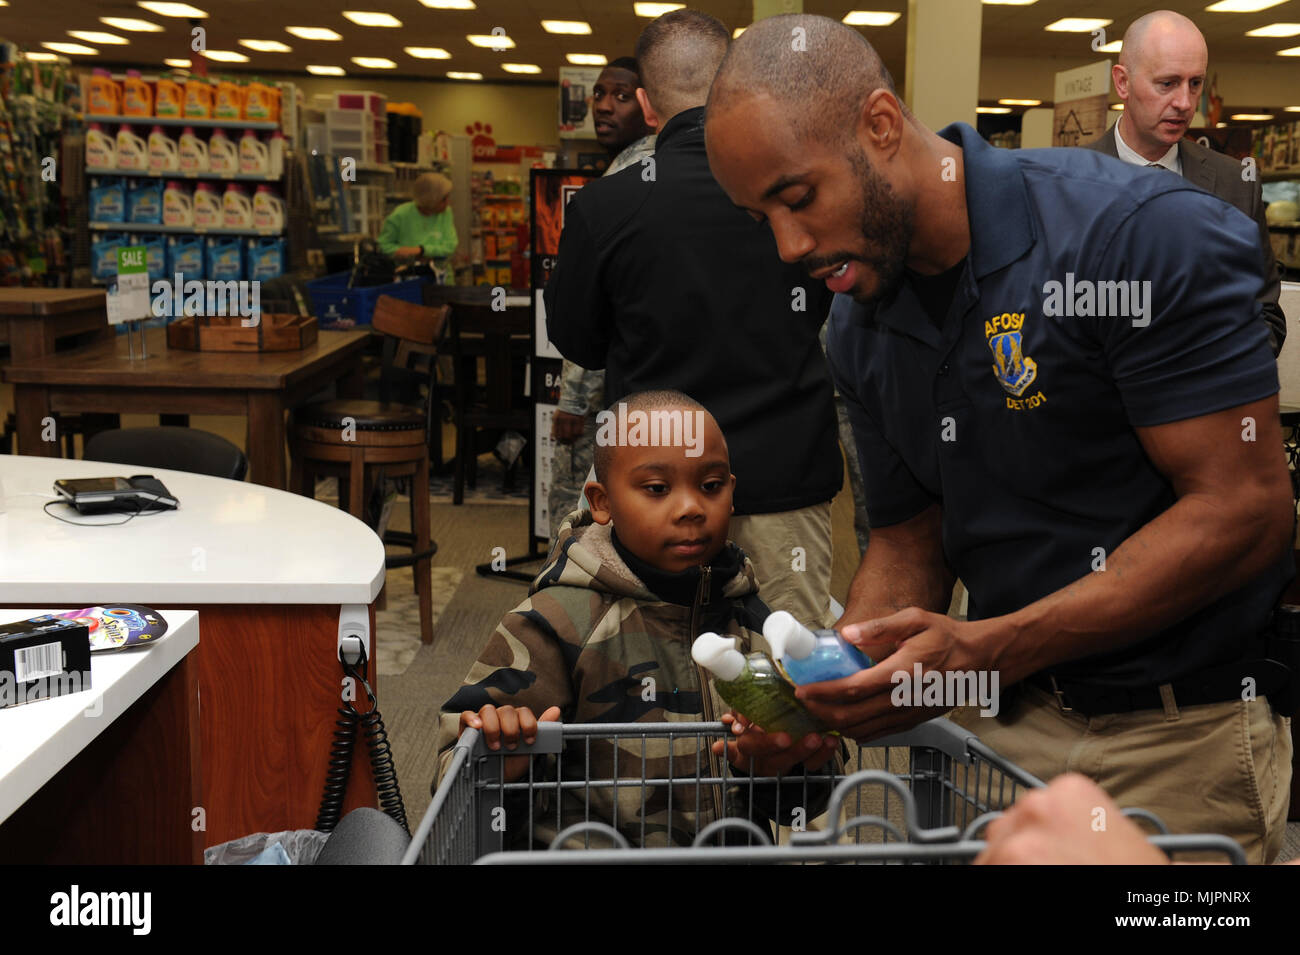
[(659, 399)]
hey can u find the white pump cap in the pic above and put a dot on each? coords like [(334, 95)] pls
[(787, 637), (718, 655)]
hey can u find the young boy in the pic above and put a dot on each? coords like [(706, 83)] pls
[(606, 633)]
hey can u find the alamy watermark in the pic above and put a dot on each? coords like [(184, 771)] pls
[(193, 297), (946, 688), (1084, 298), (650, 429)]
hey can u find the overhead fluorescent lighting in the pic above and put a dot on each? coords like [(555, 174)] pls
[(491, 41), (992, 109), (1009, 3), (652, 11), (131, 24), (570, 27), (1114, 46), (374, 62), (449, 4), (1276, 29), (178, 63), (73, 49), (1117, 107), (1077, 25), (427, 52), (1021, 102), (1289, 51), (36, 56), (94, 36), (1291, 109), (314, 33), (371, 18), (224, 56), (1242, 6), (869, 18), (521, 67), (316, 70), (586, 59), (458, 75), (735, 34), (266, 46), (1251, 117), (166, 9)]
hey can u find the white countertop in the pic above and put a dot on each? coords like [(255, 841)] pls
[(39, 738), (230, 542)]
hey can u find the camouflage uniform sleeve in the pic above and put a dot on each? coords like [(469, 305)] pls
[(574, 388), (523, 664)]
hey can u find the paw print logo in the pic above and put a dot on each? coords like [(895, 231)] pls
[(481, 141)]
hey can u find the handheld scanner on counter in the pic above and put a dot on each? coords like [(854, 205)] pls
[(752, 686), (811, 656)]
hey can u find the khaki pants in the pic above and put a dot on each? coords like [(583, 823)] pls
[(791, 554), (1219, 768)]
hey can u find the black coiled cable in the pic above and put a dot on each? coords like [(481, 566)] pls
[(340, 762)]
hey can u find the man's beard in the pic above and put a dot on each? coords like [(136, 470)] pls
[(887, 225)]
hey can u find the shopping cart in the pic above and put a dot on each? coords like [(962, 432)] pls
[(921, 797)]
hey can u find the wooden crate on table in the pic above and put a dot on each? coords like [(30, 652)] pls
[(275, 332)]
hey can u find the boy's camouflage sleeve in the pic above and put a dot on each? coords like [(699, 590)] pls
[(525, 663)]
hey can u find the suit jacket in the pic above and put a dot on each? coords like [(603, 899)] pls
[(1220, 175)]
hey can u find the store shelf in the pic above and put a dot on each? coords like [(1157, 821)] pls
[(146, 174), (501, 197), (177, 229), (183, 121)]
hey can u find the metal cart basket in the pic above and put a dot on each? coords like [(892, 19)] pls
[(920, 797)]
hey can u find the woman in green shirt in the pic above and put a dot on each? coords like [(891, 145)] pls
[(422, 228)]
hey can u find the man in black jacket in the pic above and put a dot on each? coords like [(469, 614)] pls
[(663, 282)]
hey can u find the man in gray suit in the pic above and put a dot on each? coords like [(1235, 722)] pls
[(1159, 77)]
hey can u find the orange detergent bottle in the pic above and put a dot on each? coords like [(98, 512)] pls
[(229, 102), (198, 98), (105, 94), (262, 102), (169, 98), (137, 95)]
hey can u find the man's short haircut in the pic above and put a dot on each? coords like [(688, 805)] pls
[(821, 77), (628, 63), (679, 53), (657, 400)]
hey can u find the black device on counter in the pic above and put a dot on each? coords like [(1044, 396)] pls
[(137, 494), (43, 657)]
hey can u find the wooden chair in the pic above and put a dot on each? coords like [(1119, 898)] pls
[(360, 442)]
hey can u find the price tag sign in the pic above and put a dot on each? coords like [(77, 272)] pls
[(129, 301)]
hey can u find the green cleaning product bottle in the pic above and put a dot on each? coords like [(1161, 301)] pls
[(752, 686)]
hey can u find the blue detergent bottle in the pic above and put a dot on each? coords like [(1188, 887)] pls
[(811, 656)]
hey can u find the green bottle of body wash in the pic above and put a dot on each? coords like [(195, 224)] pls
[(752, 686)]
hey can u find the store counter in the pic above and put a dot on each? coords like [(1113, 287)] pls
[(269, 572)]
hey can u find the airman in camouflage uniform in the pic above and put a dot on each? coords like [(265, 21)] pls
[(594, 640)]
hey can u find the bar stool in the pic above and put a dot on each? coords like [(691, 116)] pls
[(359, 442)]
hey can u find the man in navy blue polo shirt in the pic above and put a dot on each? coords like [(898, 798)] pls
[(1060, 396)]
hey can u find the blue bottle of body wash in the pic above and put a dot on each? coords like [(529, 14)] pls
[(811, 656)]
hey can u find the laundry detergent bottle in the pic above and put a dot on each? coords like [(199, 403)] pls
[(223, 155), (164, 156), (207, 206), (254, 156), (752, 685), (132, 150), (193, 151), (811, 656), (236, 209), (101, 148)]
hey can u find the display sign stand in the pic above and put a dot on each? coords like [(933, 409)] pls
[(128, 297)]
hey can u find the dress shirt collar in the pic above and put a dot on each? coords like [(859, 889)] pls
[(1169, 160)]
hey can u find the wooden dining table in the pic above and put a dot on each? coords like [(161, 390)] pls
[(261, 386)]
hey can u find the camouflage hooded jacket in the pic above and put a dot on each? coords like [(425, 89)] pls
[(595, 641)]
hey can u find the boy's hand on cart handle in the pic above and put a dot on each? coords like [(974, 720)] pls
[(1071, 822), (775, 754), (508, 724)]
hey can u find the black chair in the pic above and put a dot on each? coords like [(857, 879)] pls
[(177, 449)]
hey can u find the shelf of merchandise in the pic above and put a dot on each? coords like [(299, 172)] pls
[(185, 229), (177, 174), (259, 125)]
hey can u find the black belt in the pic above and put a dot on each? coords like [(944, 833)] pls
[(1210, 686)]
